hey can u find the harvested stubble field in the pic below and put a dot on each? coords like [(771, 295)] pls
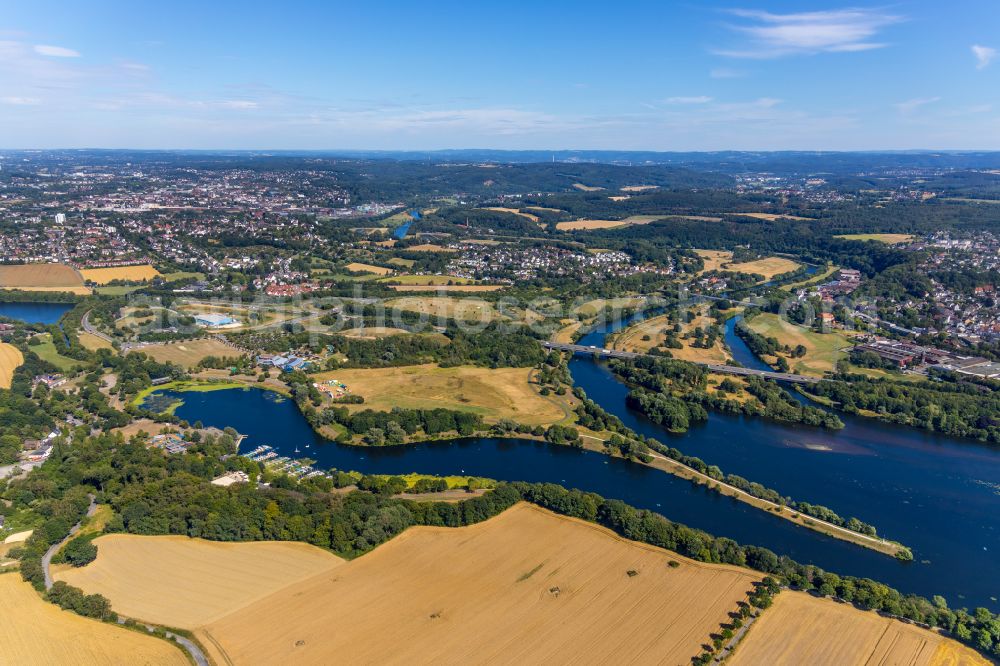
[(802, 629), (492, 393), (585, 225), (373, 332), (10, 360), (525, 587), (768, 267), (189, 353), (428, 247), (722, 260), (367, 268), (181, 582), (130, 273), (889, 239), (92, 342), (514, 211), (42, 277), (472, 309), (36, 632)]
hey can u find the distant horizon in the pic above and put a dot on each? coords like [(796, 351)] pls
[(334, 151)]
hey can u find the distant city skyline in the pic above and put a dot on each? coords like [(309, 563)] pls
[(774, 75)]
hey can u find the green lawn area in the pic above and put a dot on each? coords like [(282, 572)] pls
[(117, 290), (47, 352), (823, 349)]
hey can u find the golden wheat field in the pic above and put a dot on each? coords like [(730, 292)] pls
[(34, 631), (42, 277), (768, 267), (181, 582), (10, 360), (514, 211), (586, 225), (92, 342), (367, 268), (131, 273), (525, 587), (492, 393), (802, 629), (429, 247)]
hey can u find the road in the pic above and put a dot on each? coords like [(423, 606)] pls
[(54, 548), (721, 369), (89, 328), (189, 646)]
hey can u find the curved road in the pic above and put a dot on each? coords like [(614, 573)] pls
[(89, 328), (196, 654)]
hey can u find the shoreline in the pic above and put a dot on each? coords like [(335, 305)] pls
[(659, 462)]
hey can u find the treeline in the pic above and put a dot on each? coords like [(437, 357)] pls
[(394, 427), (674, 394), (959, 410)]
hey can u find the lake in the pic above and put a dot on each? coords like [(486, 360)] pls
[(35, 313), (937, 495)]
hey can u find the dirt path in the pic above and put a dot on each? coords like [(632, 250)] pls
[(54, 548), (193, 650)]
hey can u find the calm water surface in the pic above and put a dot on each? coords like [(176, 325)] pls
[(937, 495), (35, 313)]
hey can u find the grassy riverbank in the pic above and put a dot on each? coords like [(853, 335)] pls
[(184, 387), (884, 546)]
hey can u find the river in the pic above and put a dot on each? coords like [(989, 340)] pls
[(937, 495), (35, 313)]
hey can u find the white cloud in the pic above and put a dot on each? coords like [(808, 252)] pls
[(725, 73), (21, 101), (238, 104), (56, 51), (911, 105), (835, 31), (984, 55), (699, 99)]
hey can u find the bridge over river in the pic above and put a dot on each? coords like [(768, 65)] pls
[(722, 369)]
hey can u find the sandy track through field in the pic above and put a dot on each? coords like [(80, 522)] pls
[(525, 587)]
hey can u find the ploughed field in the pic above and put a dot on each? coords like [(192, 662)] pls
[(34, 631), (802, 629)]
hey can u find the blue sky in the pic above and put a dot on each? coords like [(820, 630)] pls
[(548, 75)]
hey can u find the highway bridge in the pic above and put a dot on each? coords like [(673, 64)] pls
[(721, 369)]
